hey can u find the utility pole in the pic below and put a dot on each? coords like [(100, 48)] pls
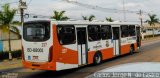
[(22, 6), (124, 12), (141, 19)]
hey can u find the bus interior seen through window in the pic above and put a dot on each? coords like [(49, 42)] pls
[(66, 34), (36, 31)]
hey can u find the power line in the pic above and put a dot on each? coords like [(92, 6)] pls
[(92, 7), (111, 10)]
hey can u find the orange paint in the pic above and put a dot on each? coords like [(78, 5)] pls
[(135, 47), (42, 66), (69, 57), (107, 53), (125, 49), (90, 56)]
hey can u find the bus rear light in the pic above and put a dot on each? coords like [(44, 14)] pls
[(50, 56)]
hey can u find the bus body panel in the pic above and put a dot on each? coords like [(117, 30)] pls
[(36, 51), (65, 56), (56, 56)]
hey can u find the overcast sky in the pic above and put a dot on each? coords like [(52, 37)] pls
[(46, 8)]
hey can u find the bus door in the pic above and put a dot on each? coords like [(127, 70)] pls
[(82, 45), (138, 37), (116, 40)]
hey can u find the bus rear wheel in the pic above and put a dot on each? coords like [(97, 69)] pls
[(97, 58)]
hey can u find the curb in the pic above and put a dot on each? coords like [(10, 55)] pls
[(13, 59)]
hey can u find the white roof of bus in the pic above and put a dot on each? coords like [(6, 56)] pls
[(94, 22), (83, 22)]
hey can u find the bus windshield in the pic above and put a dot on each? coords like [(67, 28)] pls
[(36, 31)]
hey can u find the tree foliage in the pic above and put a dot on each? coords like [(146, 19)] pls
[(89, 18), (152, 19), (109, 19), (59, 16), (6, 18)]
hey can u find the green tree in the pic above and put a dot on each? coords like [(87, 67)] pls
[(6, 18), (152, 20), (18, 23), (84, 17), (59, 16), (90, 18), (109, 19)]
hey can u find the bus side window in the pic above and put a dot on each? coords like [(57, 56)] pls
[(94, 33), (66, 34), (124, 31), (106, 32), (132, 30)]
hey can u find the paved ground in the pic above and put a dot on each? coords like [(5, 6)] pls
[(150, 53)]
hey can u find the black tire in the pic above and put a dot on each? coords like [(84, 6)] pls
[(131, 50), (97, 58)]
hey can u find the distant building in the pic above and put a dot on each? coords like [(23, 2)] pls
[(149, 30), (147, 26), (15, 41), (5, 35)]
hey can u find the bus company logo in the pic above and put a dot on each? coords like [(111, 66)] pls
[(107, 44), (97, 46), (34, 49)]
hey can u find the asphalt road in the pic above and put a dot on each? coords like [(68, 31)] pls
[(150, 52)]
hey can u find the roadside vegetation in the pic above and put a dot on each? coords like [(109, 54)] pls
[(5, 55), (109, 19), (7, 24), (89, 18), (59, 16), (152, 20)]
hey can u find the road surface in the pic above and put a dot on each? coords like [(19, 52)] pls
[(150, 52)]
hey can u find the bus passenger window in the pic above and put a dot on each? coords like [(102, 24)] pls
[(132, 30), (66, 34), (124, 31), (94, 33), (106, 32)]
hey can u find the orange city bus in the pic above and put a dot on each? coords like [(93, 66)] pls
[(58, 45)]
